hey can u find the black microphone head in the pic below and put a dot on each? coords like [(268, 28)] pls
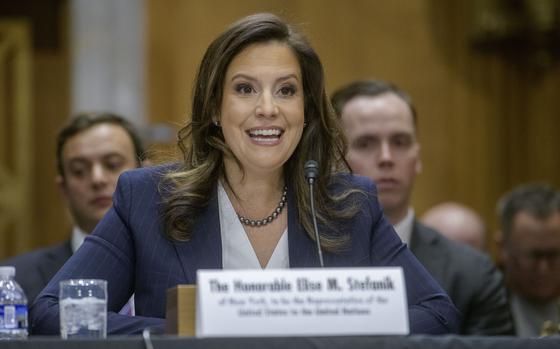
[(311, 169)]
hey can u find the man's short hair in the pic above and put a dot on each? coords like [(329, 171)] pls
[(84, 121), (539, 200), (371, 88)]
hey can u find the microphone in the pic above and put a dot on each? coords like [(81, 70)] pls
[(311, 170)]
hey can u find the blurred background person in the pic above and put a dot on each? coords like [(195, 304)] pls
[(93, 149), (457, 222), (380, 123), (529, 244)]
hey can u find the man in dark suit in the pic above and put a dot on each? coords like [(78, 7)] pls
[(529, 244), (380, 123), (92, 151)]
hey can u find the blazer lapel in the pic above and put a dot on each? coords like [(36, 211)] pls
[(302, 250), (423, 245), (204, 250)]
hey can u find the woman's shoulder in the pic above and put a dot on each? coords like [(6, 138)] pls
[(150, 174), (355, 192), (349, 181)]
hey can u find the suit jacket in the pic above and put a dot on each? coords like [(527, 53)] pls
[(35, 269), (470, 278), (129, 250)]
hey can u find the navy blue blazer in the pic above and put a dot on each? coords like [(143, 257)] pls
[(129, 250)]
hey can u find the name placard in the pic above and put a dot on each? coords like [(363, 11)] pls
[(301, 302)]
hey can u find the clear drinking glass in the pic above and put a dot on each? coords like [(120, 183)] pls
[(83, 308)]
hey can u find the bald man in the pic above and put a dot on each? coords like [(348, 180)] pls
[(457, 222)]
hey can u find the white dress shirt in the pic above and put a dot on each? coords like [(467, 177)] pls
[(78, 236), (404, 227), (237, 252), (529, 317)]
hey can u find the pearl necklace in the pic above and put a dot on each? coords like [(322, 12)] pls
[(273, 215)]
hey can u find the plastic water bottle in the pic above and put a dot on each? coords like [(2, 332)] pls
[(13, 306)]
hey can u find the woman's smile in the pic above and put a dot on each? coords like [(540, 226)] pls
[(265, 136), (262, 111)]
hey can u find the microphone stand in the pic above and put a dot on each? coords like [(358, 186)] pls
[(311, 172)]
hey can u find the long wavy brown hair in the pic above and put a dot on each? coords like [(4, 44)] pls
[(187, 190)]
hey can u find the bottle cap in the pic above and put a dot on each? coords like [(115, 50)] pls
[(8, 271)]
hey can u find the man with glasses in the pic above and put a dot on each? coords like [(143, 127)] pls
[(530, 251)]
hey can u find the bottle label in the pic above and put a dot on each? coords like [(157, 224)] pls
[(13, 316)]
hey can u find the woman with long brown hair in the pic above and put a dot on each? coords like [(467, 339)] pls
[(239, 198)]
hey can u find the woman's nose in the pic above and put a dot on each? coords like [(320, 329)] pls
[(266, 106)]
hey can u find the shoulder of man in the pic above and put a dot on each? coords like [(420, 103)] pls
[(34, 269), (471, 279), (33, 259), (456, 253)]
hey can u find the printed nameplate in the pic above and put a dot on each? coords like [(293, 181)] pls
[(301, 302)]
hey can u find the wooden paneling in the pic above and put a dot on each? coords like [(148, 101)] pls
[(16, 216), (51, 110), (51, 103), (487, 123), (32, 120)]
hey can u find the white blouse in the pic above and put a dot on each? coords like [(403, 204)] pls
[(237, 252)]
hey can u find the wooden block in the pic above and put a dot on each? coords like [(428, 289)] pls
[(181, 310)]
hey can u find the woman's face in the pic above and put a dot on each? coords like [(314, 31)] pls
[(262, 110)]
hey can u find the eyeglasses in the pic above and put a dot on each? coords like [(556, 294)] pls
[(535, 257)]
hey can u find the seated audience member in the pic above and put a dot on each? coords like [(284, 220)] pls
[(530, 250), (92, 151), (239, 198), (457, 222), (379, 121)]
